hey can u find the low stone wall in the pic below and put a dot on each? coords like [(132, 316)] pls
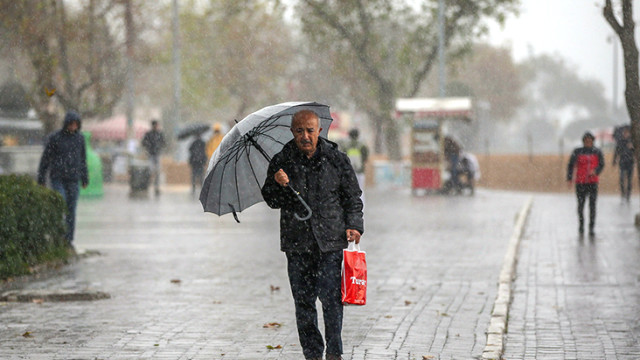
[(540, 173)]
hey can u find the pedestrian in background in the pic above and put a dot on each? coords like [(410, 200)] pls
[(587, 162), (215, 140), (623, 156), (313, 247), (197, 160), (153, 142), (358, 154), (64, 159)]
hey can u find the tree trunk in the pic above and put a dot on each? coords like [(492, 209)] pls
[(626, 33)]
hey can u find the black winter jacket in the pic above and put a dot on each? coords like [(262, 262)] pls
[(64, 155), (328, 184)]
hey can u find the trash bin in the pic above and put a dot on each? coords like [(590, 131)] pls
[(139, 177)]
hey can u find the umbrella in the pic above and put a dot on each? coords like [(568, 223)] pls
[(238, 168), (195, 129)]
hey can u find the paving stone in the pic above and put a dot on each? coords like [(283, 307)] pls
[(434, 264)]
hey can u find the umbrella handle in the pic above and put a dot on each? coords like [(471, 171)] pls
[(304, 203)]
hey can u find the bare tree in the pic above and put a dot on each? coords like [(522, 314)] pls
[(386, 49), (74, 56)]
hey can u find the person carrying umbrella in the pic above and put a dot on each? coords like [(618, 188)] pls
[(327, 182), (623, 157)]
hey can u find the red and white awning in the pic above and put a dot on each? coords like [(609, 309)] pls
[(115, 128)]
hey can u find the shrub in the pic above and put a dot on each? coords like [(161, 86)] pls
[(31, 225)]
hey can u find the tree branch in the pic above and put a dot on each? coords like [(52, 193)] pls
[(608, 14), (357, 47)]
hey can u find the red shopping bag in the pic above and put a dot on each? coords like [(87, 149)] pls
[(354, 275)]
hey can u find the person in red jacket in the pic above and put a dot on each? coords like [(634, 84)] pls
[(587, 162)]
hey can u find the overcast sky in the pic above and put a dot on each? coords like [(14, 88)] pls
[(574, 29)]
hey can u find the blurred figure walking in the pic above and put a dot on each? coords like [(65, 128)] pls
[(153, 142), (215, 140), (588, 162), (197, 161), (65, 160), (358, 154), (623, 156)]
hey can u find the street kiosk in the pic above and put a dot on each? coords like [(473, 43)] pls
[(428, 117)]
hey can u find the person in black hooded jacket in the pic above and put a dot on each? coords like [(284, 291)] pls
[(64, 159), (327, 182)]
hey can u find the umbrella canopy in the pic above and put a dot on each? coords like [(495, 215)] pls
[(194, 129), (115, 128), (238, 168)]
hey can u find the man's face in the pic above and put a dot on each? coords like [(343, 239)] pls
[(305, 133)]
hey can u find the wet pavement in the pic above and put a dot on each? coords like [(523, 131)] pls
[(188, 285), (576, 297)]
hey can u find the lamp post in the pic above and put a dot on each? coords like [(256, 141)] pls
[(614, 100), (442, 81)]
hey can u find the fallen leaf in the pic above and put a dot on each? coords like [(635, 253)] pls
[(271, 325), (37, 301), (407, 302), (413, 288), (275, 288), (271, 347), (444, 314), (156, 344), (388, 316), (427, 357), (176, 281), (27, 334), (49, 92)]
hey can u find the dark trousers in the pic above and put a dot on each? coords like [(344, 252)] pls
[(69, 191), (197, 177), (582, 192), (625, 181), (314, 275)]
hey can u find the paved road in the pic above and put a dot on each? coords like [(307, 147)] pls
[(433, 269), (576, 298)]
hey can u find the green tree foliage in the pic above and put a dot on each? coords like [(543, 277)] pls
[(489, 74), (385, 49), (236, 56), (555, 89), (73, 51)]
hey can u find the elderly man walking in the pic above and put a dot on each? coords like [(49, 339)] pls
[(327, 182)]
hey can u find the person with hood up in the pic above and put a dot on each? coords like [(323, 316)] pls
[(588, 162), (327, 182), (64, 160)]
